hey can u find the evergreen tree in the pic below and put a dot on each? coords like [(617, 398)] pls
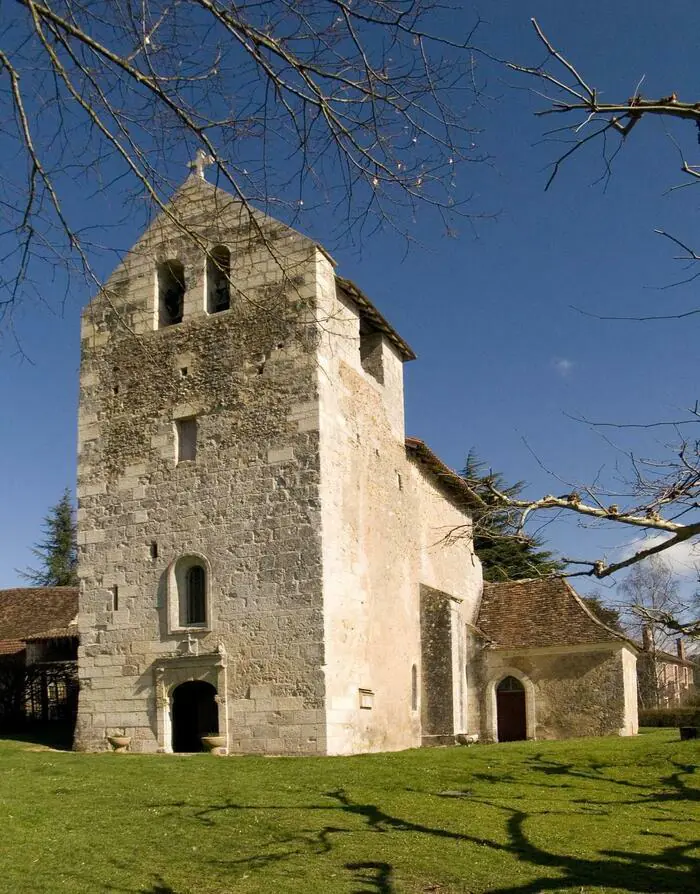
[(58, 551), (606, 613), (504, 554)]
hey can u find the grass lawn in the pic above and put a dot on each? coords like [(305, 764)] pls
[(580, 816)]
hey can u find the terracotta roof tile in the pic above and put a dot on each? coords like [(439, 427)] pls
[(27, 611), (539, 612), (68, 632)]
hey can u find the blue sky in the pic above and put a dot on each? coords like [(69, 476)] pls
[(504, 351)]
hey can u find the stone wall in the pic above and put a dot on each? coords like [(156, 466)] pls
[(384, 523), (570, 691), (437, 710), (316, 529), (249, 503)]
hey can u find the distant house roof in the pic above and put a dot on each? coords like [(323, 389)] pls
[(28, 613), (11, 647), (539, 612), (370, 312), (68, 632), (660, 655)]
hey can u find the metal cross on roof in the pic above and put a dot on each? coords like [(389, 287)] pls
[(201, 161)]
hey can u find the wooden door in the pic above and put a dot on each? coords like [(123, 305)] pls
[(511, 710)]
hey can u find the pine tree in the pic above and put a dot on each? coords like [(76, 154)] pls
[(504, 555), (606, 613), (57, 552)]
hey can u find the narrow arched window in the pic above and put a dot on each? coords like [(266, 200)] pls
[(171, 293), (195, 596), (414, 687), (218, 280), (510, 684)]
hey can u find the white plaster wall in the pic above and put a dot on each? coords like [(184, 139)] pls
[(630, 726), (383, 523)]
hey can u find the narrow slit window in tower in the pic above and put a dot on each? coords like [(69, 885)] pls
[(195, 596), (371, 350), (186, 436), (218, 280), (171, 293)]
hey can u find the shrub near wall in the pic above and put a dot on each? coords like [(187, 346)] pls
[(670, 717)]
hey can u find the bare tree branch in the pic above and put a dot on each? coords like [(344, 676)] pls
[(355, 105)]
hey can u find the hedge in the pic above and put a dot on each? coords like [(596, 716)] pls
[(670, 717)]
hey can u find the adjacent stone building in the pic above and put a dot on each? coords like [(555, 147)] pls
[(263, 554), (664, 680), (38, 655), (549, 668)]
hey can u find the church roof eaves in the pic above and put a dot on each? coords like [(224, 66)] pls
[(68, 632), (368, 310), (446, 477)]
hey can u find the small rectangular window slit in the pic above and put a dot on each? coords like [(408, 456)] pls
[(115, 598), (183, 372), (186, 437), (154, 549), (366, 699)]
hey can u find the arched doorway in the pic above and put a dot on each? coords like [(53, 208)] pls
[(510, 710), (195, 713)]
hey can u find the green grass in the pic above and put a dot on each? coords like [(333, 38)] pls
[(581, 816)]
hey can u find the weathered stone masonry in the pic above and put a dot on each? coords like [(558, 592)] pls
[(249, 503), (314, 527), (253, 524)]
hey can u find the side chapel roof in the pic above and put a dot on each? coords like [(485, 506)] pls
[(31, 613), (540, 612)]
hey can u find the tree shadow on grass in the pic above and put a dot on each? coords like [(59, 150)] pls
[(661, 873), (671, 870), (378, 875)]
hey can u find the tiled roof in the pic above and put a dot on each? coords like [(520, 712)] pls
[(539, 612), (448, 480), (69, 632), (11, 647), (26, 612)]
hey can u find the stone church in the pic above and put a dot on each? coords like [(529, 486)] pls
[(263, 553)]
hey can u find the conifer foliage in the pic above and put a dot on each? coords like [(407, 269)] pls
[(505, 553), (57, 553)]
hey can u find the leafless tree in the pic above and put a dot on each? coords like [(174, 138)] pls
[(352, 103), (649, 594), (660, 496)]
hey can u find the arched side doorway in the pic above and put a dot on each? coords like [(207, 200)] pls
[(511, 710), (195, 713)]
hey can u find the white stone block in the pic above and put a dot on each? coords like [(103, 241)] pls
[(280, 454)]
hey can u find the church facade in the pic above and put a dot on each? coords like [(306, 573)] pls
[(263, 554)]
